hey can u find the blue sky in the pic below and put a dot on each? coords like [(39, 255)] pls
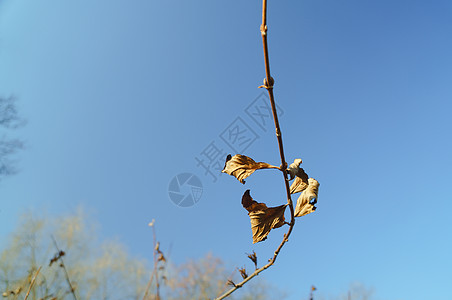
[(122, 96)]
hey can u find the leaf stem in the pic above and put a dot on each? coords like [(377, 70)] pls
[(268, 85)]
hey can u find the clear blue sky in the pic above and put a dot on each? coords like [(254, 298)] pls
[(121, 96)]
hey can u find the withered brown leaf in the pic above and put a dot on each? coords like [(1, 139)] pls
[(263, 218), (300, 183), (308, 198), (241, 166), (293, 168)]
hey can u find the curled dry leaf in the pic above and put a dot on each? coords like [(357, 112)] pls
[(293, 168), (308, 198), (263, 218), (241, 166), (300, 183)]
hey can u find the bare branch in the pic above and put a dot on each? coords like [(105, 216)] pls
[(32, 282), (72, 290), (9, 117), (158, 257), (268, 85), (8, 148)]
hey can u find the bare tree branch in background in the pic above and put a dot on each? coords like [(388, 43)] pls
[(204, 277), (9, 120), (9, 117), (356, 291), (158, 269), (100, 270)]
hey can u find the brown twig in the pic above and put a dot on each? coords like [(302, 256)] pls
[(155, 270), (66, 274), (268, 85), (150, 282), (31, 283)]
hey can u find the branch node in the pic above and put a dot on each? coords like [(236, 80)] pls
[(286, 238), (283, 166), (267, 85)]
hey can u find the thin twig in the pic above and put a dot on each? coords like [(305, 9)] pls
[(66, 274), (268, 85), (32, 282), (155, 270), (149, 283)]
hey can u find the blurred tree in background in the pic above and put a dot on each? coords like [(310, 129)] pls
[(96, 270), (9, 119), (356, 291), (100, 270)]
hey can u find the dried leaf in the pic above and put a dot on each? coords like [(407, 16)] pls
[(241, 166), (293, 168), (307, 199), (300, 183), (247, 200), (263, 218)]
